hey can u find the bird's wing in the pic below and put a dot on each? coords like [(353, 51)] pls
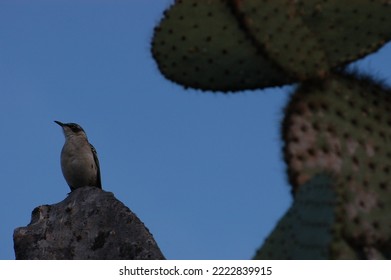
[(98, 180)]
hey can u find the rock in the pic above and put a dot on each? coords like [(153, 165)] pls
[(89, 224)]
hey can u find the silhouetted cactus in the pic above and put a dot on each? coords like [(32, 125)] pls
[(232, 45), (306, 230), (342, 126), (337, 127), (309, 37), (278, 28), (200, 44)]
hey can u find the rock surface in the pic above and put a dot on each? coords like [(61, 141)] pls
[(88, 224)]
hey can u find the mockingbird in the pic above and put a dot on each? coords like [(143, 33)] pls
[(79, 160)]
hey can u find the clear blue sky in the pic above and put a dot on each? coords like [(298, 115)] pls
[(203, 171)]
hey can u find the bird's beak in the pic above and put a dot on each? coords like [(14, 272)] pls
[(59, 123)]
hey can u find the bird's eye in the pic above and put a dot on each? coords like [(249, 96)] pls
[(75, 128)]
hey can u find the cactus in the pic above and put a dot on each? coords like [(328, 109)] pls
[(233, 45), (200, 44), (309, 37), (337, 126), (348, 30), (306, 230), (278, 28), (342, 126)]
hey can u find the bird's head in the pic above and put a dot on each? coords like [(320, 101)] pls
[(72, 129)]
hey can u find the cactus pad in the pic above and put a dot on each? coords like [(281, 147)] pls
[(307, 38), (278, 28), (306, 230), (342, 125), (233, 45), (348, 30), (200, 44)]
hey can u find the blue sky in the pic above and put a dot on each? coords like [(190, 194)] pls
[(203, 171)]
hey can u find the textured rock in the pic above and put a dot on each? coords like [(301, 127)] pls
[(88, 224)]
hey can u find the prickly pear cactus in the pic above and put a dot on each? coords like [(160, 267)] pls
[(233, 45), (277, 28), (347, 30), (309, 37), (306, 231), (200, 44), (337, 127), (342, 126)]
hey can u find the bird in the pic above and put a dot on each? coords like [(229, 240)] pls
[(79, 159)]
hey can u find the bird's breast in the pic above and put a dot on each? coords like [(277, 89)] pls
[(78, 165)]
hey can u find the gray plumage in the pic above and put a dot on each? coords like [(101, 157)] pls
[(79, 160)]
